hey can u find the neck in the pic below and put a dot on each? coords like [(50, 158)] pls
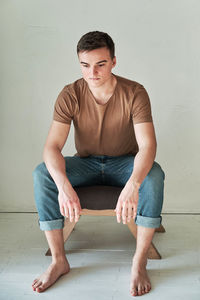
[(103, 94)]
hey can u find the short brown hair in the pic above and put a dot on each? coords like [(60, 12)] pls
[(94, 40)]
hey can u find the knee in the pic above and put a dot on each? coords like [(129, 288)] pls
[(152, 190), (156, 176), (157, 173)]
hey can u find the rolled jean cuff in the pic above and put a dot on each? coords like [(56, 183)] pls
[(50, 225), (148, 221)]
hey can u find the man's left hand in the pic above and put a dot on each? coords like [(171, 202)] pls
[(127, 202)]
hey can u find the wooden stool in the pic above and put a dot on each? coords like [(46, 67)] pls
[(101, 200)]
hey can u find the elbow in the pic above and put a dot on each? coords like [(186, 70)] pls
[(150, 148), (45, 153), (49, 150), (155, 147)]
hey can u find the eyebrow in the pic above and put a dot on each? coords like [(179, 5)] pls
[(101, 61)]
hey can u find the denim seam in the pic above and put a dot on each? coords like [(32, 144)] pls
[(51, 224), (148, 221), (78, 175)]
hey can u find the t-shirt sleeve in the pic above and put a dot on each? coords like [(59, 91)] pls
[(141, 108), (64, 107)]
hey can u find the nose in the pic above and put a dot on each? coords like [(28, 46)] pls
[(93, 71)]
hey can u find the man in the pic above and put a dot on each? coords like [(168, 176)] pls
[(116, 145)]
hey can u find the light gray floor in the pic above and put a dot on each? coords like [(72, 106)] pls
[(99, 252)]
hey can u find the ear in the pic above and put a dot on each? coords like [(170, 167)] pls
[(114, 62)]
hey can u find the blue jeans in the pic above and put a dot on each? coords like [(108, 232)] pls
[(99, 170)]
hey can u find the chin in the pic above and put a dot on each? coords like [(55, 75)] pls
[(94, 83)]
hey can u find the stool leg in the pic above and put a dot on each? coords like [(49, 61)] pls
[(68, 228), (160, 229), (153, 252)]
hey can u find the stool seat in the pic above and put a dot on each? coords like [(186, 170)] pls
[(101, 200), (98, 197)]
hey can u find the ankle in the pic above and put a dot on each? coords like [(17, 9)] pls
[(140, 261), (59, 259)]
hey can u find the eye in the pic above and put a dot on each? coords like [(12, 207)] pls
[(101, 65)]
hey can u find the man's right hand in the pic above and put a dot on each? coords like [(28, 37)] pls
[(69, 203)]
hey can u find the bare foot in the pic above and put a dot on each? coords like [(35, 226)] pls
[(54, 271), (140, 283)]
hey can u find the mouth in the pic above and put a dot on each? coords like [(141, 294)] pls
[(94, 78)]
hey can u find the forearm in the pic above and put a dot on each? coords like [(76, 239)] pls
[(55, 164), (142, 164)]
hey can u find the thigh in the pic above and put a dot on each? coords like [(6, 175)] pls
[(118, 169), (83, 171)]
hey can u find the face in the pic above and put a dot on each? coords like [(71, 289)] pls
[(96, 66)]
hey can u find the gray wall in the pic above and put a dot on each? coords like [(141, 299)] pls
[(157, 44)]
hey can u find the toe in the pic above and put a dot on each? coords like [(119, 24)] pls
[(147, 289), (42, 287), (34, 282), (139, 292), (37, 284), (134, 292), (140, 289)]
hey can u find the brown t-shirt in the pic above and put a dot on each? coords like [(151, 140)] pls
[(104, 129)]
